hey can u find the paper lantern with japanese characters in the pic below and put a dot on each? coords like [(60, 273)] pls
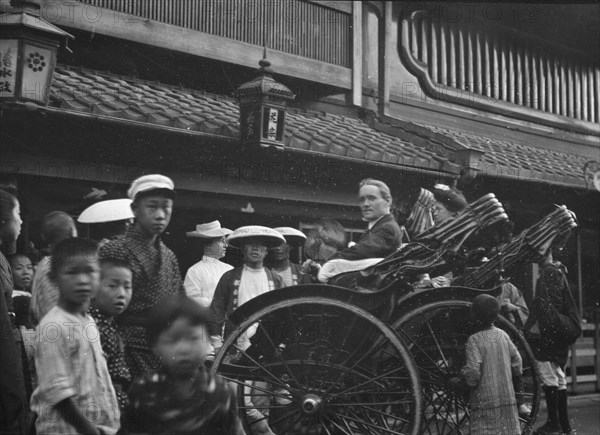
[(28, 47), (263, 103)]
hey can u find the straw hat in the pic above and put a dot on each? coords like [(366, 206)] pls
[(292, 235), (268, 236), (107, 211), (210, 230)]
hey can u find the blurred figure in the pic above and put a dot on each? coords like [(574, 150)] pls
[(13, 402), (56, 226), (291, 273), (182, 396), (202, 278)]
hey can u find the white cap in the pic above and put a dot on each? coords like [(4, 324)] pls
[(151, 182)]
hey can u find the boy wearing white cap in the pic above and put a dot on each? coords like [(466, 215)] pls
[(202, 278), (154, 267)]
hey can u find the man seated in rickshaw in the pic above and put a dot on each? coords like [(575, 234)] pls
[(382, 238)]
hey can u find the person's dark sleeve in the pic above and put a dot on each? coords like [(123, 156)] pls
[(232, 420), (277, 280), (218, 306), (177, 272), (132, 420), (552, 283), (12, 385)]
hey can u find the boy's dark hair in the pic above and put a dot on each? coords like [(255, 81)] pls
[(57, 226), (171, 308), (17, 255), (485, 309), (115, 262), (69, 248)]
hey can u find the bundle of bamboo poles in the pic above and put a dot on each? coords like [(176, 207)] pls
[(528, 246), (421, 217)]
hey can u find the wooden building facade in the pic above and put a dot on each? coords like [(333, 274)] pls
[(412, 93)]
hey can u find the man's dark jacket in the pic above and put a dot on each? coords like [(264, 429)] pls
[(383, 239)]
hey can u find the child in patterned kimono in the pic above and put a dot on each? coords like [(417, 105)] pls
[(491, 362), (181, 397), (113, 297)]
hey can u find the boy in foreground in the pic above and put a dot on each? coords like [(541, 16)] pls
[(75, 394)]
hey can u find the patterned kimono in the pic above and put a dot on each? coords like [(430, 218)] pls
[(114, 351), (155, 275), (491, 361), (157, 408)]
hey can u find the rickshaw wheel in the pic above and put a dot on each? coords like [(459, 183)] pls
[(436, 334), (315, 365)]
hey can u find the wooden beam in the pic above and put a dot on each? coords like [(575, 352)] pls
[(137, 29), (228, 179), (357, 53), (580, 276)]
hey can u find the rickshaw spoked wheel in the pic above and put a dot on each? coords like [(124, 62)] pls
[(436, 334), (315, 365)]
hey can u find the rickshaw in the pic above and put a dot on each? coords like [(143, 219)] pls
[(368, 353)]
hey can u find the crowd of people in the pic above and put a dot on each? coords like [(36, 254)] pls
[(108, 337)]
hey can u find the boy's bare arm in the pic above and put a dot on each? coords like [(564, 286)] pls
[(72, 415)]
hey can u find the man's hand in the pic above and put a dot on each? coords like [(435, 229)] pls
[(310, 267), (507, 306)]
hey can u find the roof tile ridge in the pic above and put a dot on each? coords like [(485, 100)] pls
[(138, 81), (424, 132)]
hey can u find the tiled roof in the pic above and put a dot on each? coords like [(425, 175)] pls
[(155, 103), (427, 147), (505, 158)]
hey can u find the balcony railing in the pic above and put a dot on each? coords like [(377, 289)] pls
[(490, 66), (292, 26)]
